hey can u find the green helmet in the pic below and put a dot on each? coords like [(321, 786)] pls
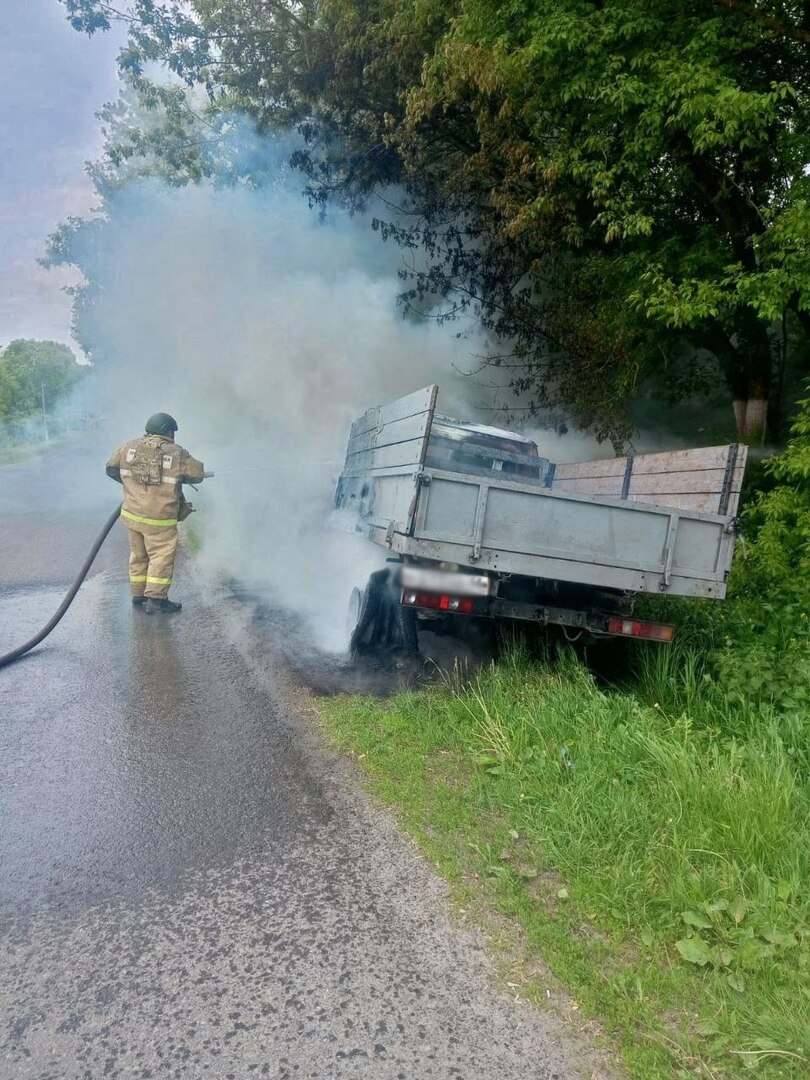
[(161, 424)]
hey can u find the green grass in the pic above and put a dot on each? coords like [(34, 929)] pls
[(655, 860), (15, 453)]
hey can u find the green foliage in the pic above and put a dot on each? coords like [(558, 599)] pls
[(33, 372), (601, 184), (736, 937), (751, 652), (768, 660), (765, 651), (659, 135), (778, 522)]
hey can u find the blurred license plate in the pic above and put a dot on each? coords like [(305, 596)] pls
[(445, 581)]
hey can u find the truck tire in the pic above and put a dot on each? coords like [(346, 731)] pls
[(400, 630), (382, 624)]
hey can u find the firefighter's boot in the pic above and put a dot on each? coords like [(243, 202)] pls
[(160, 606)]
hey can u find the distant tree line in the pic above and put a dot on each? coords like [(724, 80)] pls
[(618, 190), (36, 378)]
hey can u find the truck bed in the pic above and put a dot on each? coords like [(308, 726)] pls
[(593, 523)]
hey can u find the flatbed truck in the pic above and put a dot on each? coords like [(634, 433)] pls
[(477, 525)]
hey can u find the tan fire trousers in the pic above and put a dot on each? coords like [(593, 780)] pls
[(151, 559)]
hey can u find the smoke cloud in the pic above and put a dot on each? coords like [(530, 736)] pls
[(265, 330)]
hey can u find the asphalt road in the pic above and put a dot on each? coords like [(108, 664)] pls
[(191, 883)]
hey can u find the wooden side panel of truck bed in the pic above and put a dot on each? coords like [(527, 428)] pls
[(708, 479)]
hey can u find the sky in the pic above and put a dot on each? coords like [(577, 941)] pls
[(53, 81)]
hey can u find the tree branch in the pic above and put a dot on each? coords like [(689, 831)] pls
[(783, 29)]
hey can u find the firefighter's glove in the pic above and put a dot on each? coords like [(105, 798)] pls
[(186, 510)]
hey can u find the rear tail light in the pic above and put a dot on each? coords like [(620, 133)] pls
[(636, 628), (460, 605)]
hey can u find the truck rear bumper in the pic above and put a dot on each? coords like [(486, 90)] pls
[(600, 623)]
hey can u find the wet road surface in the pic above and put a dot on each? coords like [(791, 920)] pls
[(191, 884)]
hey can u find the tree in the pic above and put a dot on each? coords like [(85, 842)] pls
[(602, 183), (778, 522), (34, 377), (667, 143)]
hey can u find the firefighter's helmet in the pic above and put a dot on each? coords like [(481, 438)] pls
[(161, 424)]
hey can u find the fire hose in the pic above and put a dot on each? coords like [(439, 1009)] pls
[(15, 654), (26, 647)]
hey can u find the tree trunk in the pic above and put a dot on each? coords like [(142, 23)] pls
[(751, 415), (749, 373)]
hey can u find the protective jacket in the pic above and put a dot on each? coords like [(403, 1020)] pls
[(151, 470)]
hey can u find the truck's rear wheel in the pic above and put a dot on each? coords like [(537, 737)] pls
[(381, 624), (401, 628)]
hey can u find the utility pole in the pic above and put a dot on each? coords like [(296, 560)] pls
[(44, 414)]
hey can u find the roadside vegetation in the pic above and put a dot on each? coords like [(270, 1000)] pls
[(648, 839), (13, 453), (617, 191), (36, 380)]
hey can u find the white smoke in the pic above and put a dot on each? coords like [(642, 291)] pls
[(265, 331)]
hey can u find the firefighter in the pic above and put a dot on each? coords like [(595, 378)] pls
[(152, 470)]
